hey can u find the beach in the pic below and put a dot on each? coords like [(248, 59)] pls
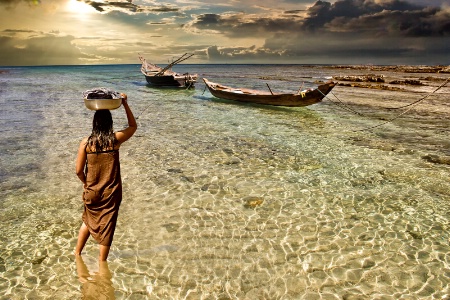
[(345, 199)]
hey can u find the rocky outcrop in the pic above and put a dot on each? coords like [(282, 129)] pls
[(361, 78), (407, 81), (399, 68), (371, 86)]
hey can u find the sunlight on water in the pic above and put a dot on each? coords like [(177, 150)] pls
[(225, 200)]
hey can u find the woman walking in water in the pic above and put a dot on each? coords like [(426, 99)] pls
[(98, 168)]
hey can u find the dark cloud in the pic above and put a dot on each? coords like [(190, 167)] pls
[(8, 2), (214, 54), (128, 6), (14, 31), (325, 50), (241, 25), (347, 48), (160, 9), (418, 23), (43, 50), (12, 4), (390, 17), (298, 1), (241, 54), (356, 30), (295, 12), (429, 3), (111, 5)]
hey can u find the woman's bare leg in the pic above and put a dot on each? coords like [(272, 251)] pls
[(104, 251), (83, 236)]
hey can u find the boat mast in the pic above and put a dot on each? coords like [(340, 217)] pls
[(183, 57)]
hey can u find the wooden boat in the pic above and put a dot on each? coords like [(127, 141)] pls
[(301, 98), (159, 76)]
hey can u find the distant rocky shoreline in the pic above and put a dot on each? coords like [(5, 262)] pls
[(397, 68), (357, 81), (390, 82)]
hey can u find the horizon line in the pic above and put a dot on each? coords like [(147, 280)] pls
[(231, 64)]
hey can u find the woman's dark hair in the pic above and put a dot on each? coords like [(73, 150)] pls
[(102, 137)]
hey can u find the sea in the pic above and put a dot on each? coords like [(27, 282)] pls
[(345, 199)]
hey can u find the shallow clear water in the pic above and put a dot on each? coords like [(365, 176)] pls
[(225, 200)]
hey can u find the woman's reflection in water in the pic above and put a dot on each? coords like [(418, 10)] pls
[(95, 286)]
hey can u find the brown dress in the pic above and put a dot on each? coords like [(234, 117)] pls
[(102, 195)]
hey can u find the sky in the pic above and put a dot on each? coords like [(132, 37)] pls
[(85, 32)]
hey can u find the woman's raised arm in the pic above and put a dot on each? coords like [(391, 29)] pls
[(128, 132)]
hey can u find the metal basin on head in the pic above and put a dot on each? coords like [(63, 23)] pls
[(98, 104)]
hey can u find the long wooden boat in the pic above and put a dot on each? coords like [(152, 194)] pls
[(158, 76), (300, 98)]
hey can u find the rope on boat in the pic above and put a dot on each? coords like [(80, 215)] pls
[(341, 104), (420, 100), (411, 104), (393, 118), (301, 87), (142, 112)]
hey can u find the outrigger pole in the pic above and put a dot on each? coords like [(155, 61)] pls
[(183, 57)]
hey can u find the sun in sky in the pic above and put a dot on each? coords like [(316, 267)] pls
[(81, 9)]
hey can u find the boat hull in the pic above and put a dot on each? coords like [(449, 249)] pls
[(268, 98), (164, 81), (158, 76)]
